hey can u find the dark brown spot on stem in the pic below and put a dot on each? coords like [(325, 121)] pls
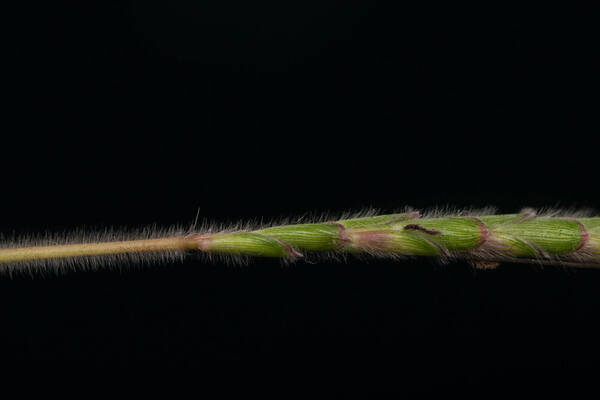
[(417, 227)]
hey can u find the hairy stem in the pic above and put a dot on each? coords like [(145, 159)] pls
[(483, 240), (96, 249)]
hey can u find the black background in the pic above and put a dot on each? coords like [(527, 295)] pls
[(130, 113)]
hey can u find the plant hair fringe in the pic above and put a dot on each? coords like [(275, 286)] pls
[(485, 239)]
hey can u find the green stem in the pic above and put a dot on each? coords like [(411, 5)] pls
[(483, 240)]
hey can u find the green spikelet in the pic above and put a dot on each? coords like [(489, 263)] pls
[(481, 239)]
